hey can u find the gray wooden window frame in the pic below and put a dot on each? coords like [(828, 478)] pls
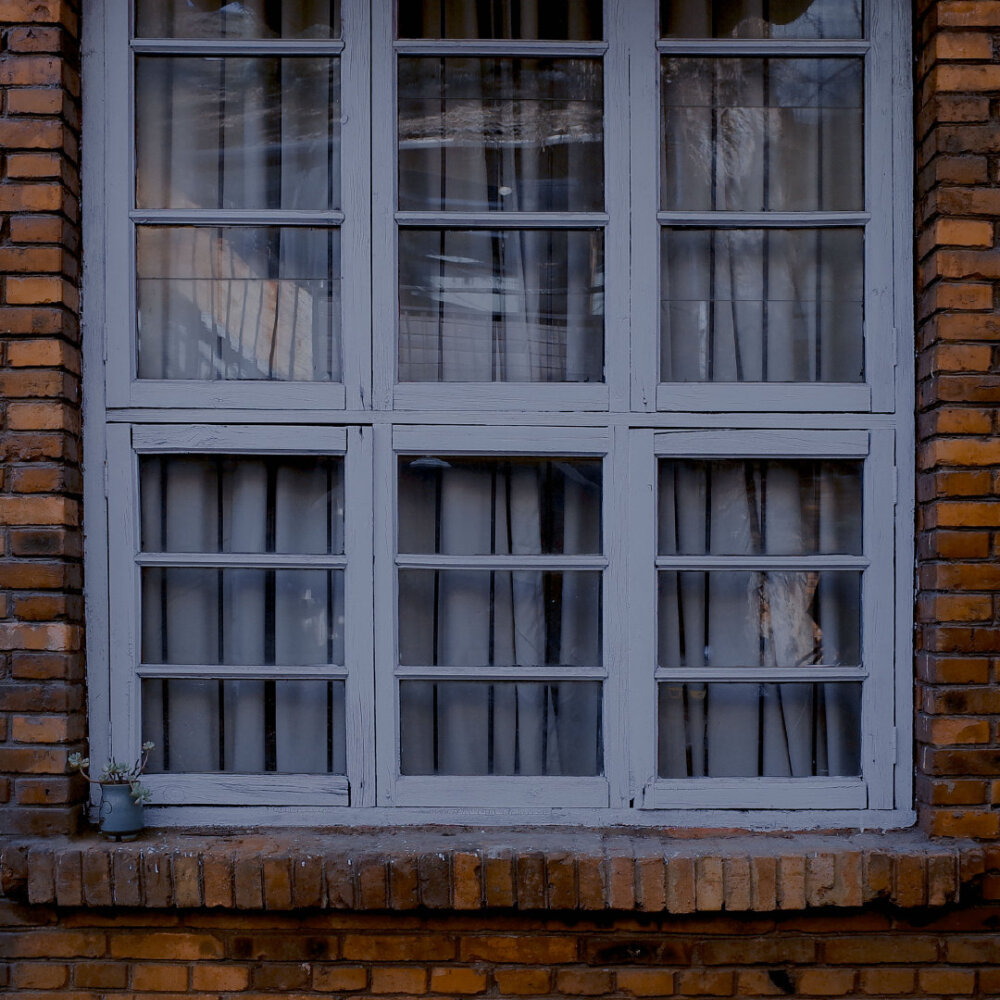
[(630, 420)]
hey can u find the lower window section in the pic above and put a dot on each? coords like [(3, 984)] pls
[(244, 726), (501, 728), (759, 730)]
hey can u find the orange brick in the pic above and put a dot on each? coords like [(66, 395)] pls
[(948, 732), (100, 976), (886, 982), (41, 416), (398, 979), (645, 982), (29, 165), (825, 982), (219, 978), (165, 944), (160, 978), (46, 728), (38, 975), (584, 982), (458, 980), (954, 981), (339, 978), (962, 45), (523, 982), (35, 101), (536, 950), (704, 983), (42, 353), (32, 291)]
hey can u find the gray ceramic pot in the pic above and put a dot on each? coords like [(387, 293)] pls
[(121, 816)]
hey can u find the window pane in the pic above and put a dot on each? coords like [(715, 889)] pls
[(244, 726), (519, 135), (762, 305), (242, 503), (242, 617), (246, 19), (762, 134), (761, 19), (490, 727), (238, 302), (238, 132), (484, 506), (759, 619), (501, 306), (573, 20), (760, 506), (482, 618), (759, 730)]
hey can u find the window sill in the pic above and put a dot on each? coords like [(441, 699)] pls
[(525, 869)]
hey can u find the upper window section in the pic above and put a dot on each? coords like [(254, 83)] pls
[(515, 135), (761, 19), (242, 19), (239, 132), (554, 20)]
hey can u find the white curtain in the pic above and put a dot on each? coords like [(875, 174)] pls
[(478, 619), (244, 617), (758, 619), (230, 302), (507, 135)]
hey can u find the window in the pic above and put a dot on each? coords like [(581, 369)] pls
[(501, 407)]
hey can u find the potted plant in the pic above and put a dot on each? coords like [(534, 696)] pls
[(122, 794)]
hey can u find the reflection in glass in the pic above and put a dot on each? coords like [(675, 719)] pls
[(242, 617), (568, 20), (761, 19), (238, 302), (762, 305), (242, 503), (501, 306), (751, 619), (485, 506), (493, 727), (237, 132), (519, 135), (762, 134), (779, 506), (244, 726), (483, 618), (241, 19), (759, 730)]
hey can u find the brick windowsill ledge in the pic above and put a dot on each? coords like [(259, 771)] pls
[(524, 869)]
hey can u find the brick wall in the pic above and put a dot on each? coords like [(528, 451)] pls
[(958, 476), (83, 956), (41, 614)]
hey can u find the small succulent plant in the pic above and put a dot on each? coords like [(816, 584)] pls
[(116, 773)]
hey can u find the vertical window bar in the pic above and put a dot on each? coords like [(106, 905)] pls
[(270, 700), (221, 618)]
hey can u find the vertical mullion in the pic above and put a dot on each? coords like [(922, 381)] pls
[(386, 629), (360, 684), (358, 240), (640, 656), (617, 163), (383, 202), (638, 30)]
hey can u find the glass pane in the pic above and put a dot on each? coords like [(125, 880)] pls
[(755, 506), (762, 305), (492, 727), (242, 19), (243, 617), (242, 503), (238, 302), (244, 726), (571, 20), (762, 134), (758, 619), (761, 19), (519, 135), (501, 306), (759, 730), (237, 132), (484, 618), (485, 506)]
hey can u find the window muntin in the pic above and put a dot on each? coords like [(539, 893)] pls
[(501, 772)]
